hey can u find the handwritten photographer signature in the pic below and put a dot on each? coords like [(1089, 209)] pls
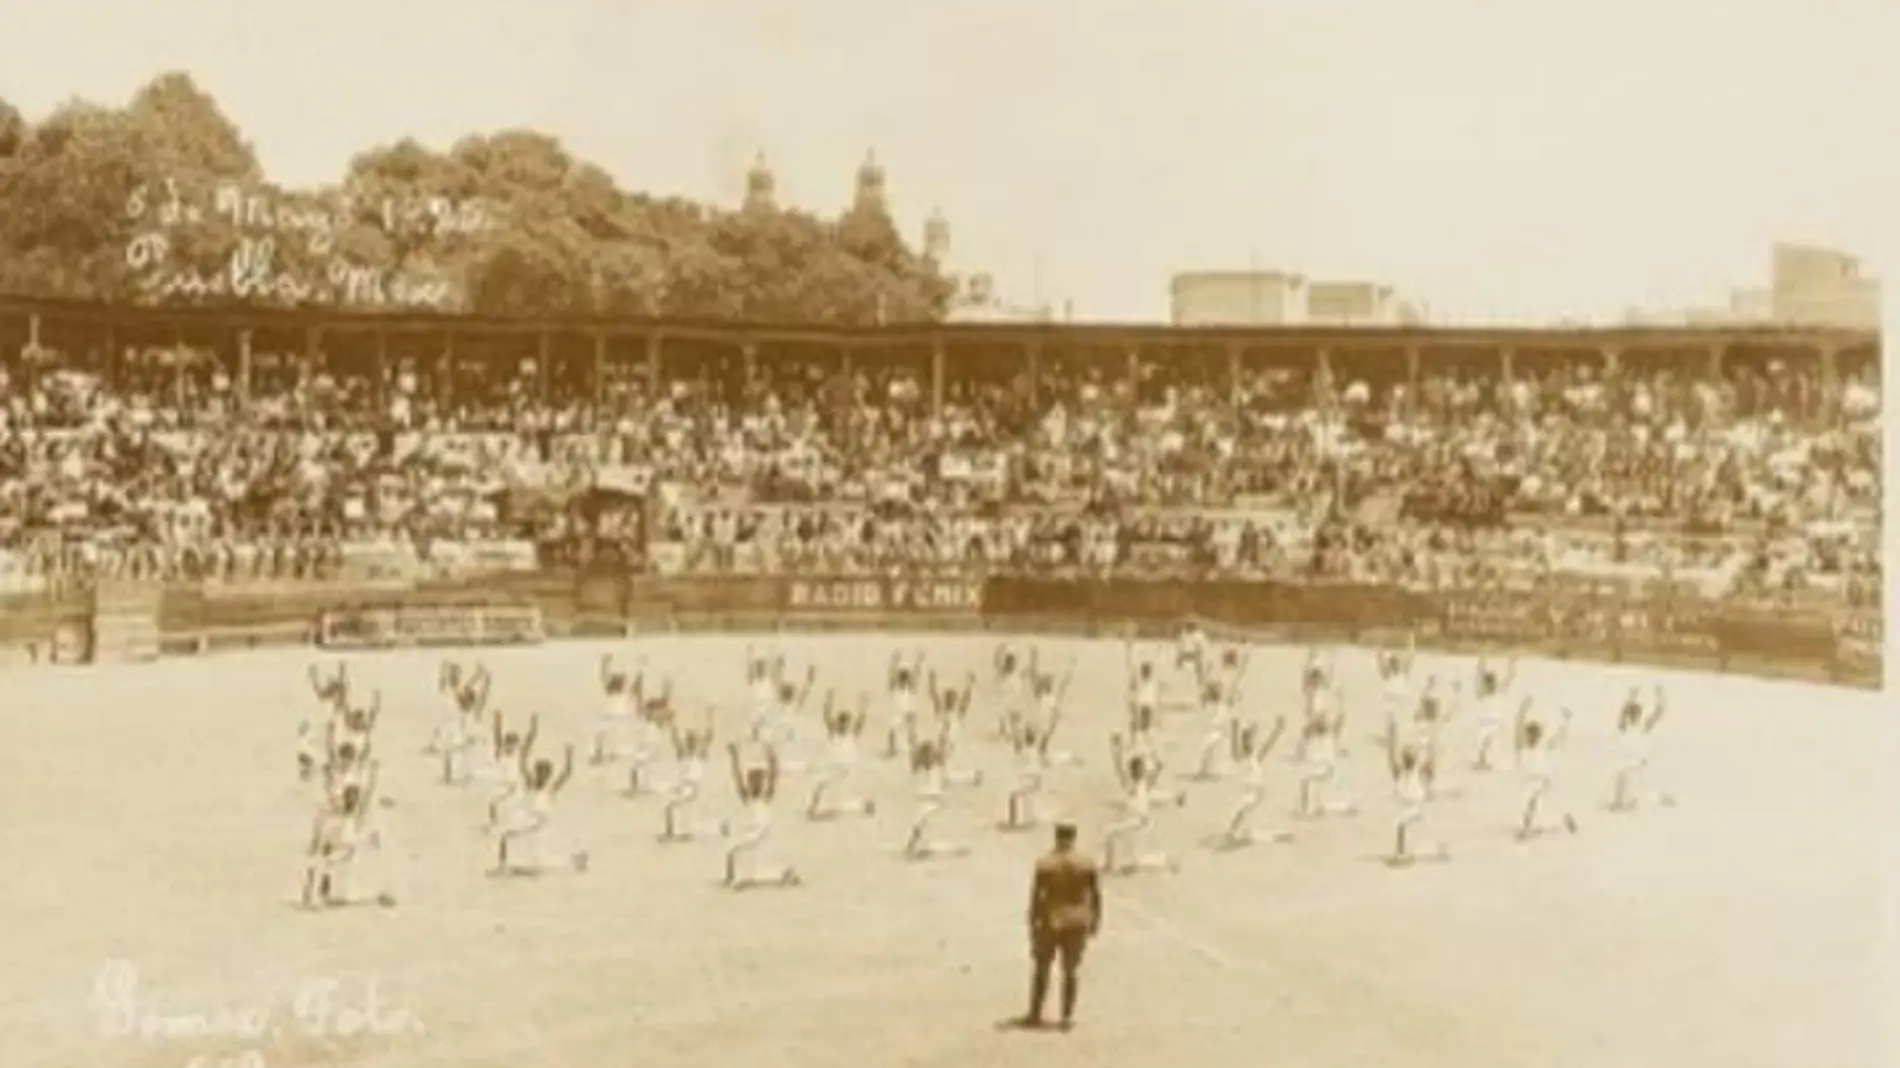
[(317, 1008)]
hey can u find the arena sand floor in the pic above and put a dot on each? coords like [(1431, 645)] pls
[(153, 825)]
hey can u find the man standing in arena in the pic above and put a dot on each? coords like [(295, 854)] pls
[(1065, 911)]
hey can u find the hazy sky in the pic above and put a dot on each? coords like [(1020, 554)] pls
[(1499, 158)]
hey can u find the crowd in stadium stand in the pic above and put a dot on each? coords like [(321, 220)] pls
[(1758, 478)]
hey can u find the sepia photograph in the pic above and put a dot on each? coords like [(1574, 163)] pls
[(1036, 535)]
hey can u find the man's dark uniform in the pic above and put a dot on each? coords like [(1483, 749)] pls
[(1065, 910)]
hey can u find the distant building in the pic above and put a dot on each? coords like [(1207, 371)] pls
[(1237, 298), (1810, 268), (1281, 298), (1350, 304), (1808, 286), (1814, 286)]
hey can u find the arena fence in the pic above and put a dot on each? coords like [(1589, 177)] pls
[(1615, 626)]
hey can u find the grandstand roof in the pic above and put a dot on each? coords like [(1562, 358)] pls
[(1102, 334)]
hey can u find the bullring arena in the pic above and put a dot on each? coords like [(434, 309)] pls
[(154, 825)]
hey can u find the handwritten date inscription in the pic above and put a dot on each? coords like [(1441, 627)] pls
[(287, 247)]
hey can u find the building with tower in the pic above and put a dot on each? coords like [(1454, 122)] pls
[(761, 188), (937, 237), (870, 192), (976, 299)]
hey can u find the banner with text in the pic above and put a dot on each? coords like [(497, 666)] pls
[(874, 595), (401, 626)]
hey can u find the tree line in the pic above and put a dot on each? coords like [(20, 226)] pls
[(163, 201)]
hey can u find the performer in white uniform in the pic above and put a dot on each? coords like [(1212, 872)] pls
[(1218, 707), (927, 761), (952, 705), (1432, 711), (529, 841), (1319, 790), (1141, 737), (761, 681), (757, 787), (467, 690), (779, 729), (692, 749), (1491, 696), (843, 728), (1324, 713), (1395, 682), (1231, 668), (1411, 762), (332, 692), (347, 768), (1014, 670), (652, 719), (1123, 852), (1049, 697), (1033, 762), (1144, 686), (904, 681), (1254, 749), (459, 740), (353, 728), (508, 770), (1536, 748), (342, 859), (1635, 730), (1190, 653), (619, 709), (1142, 741)]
